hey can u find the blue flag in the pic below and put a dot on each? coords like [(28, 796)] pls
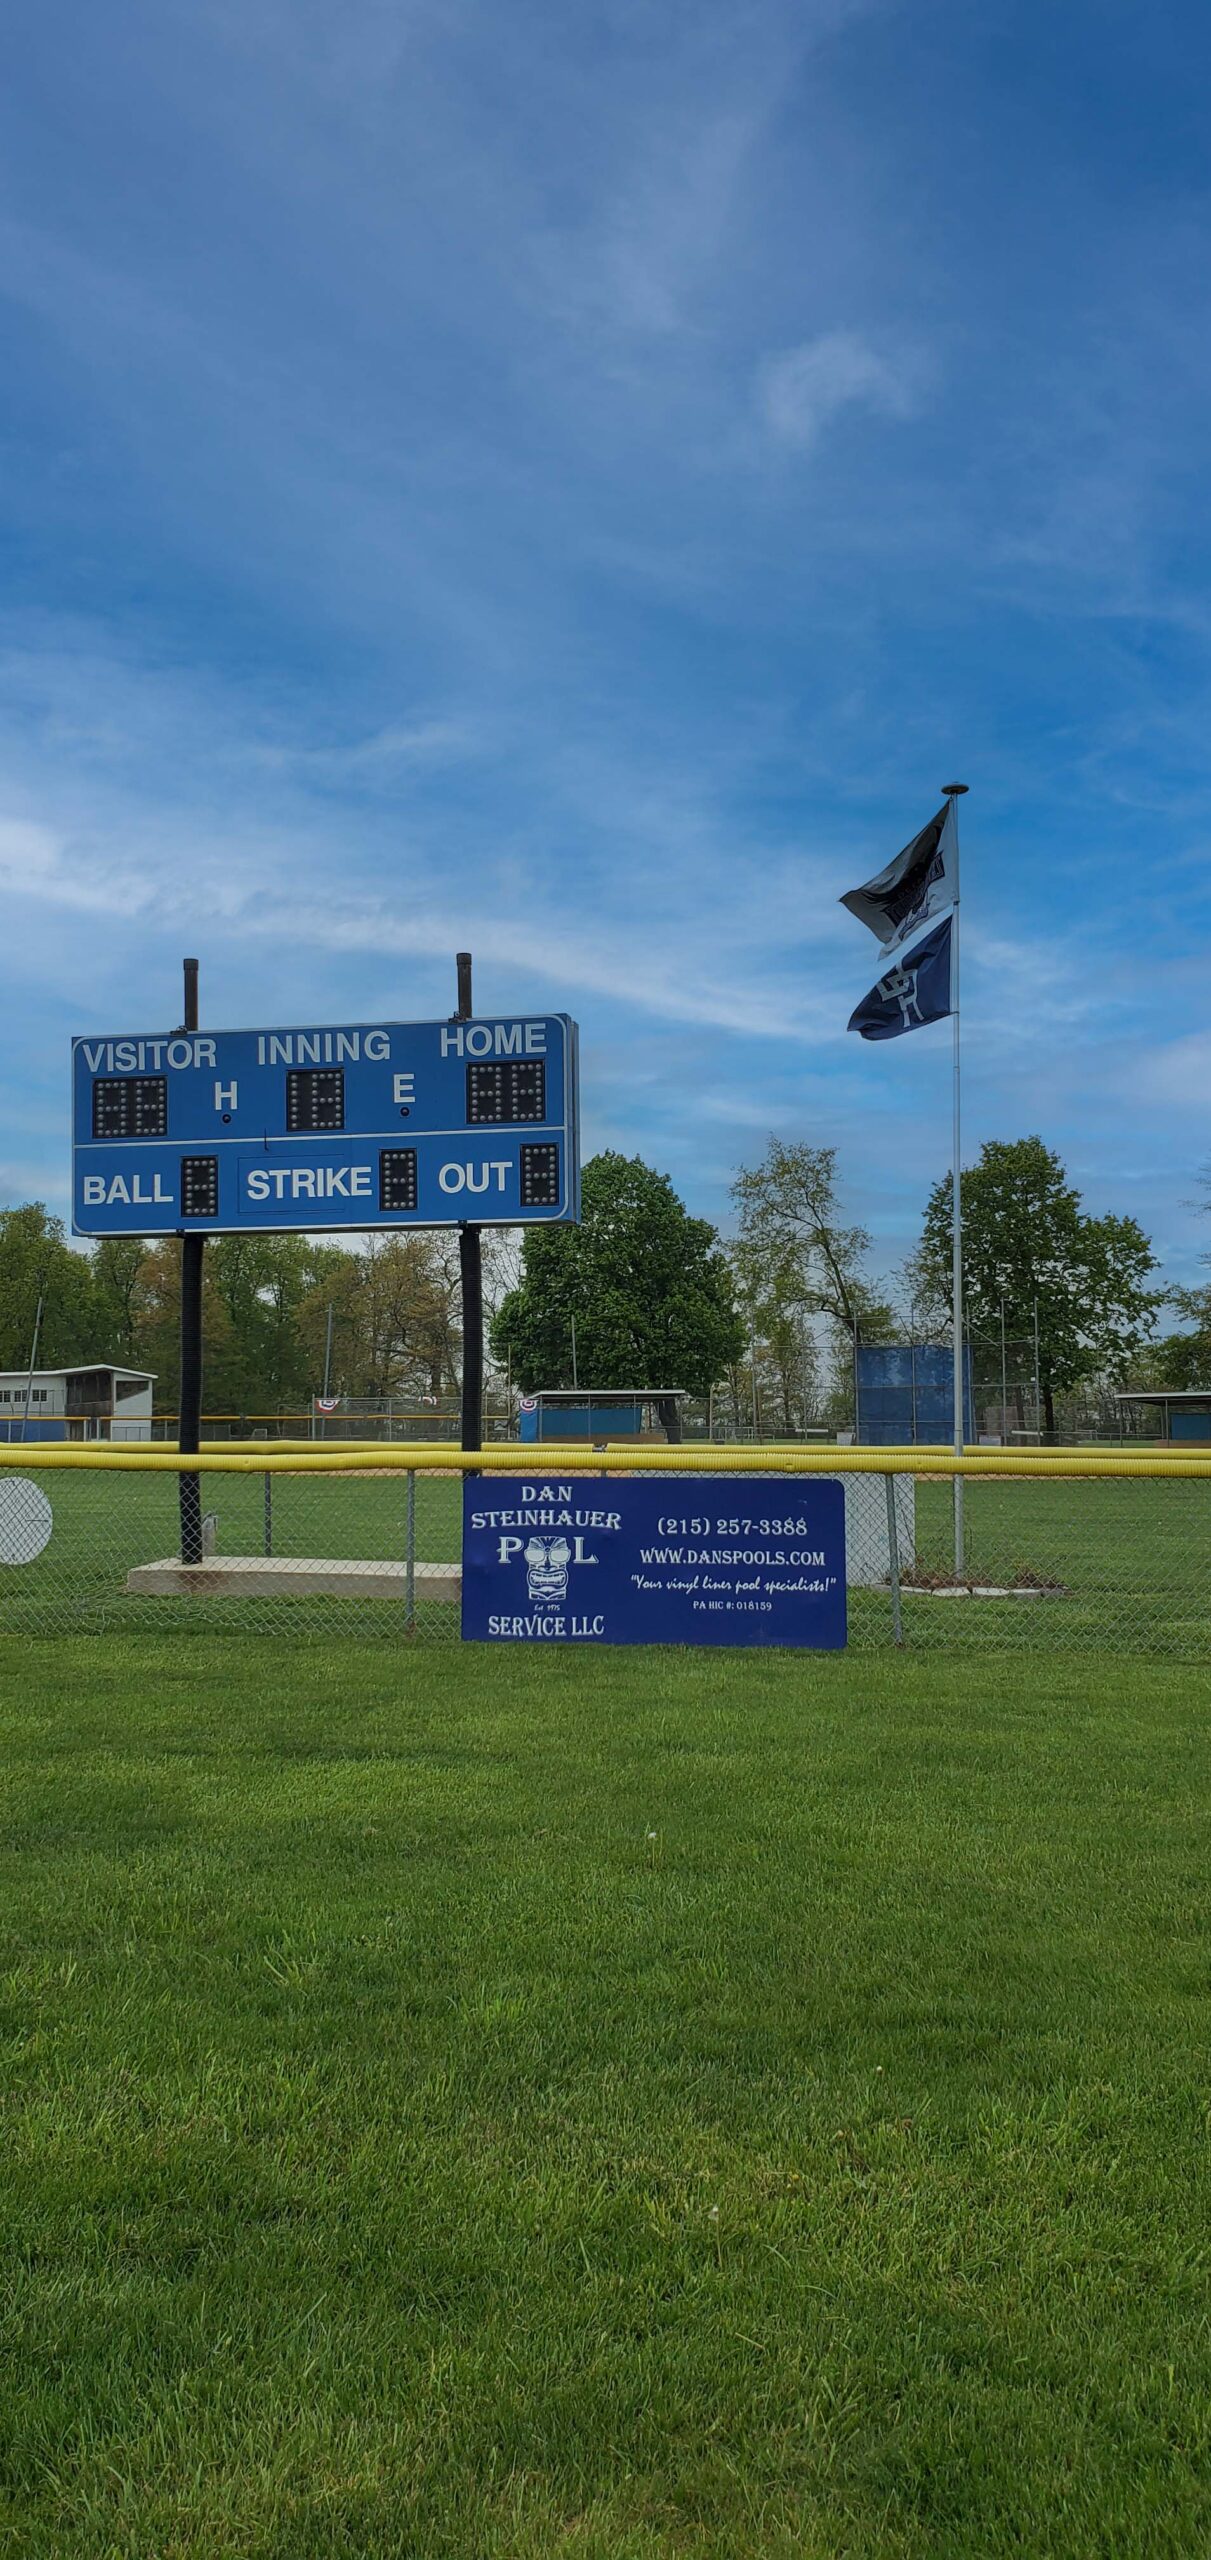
[(915, 990)]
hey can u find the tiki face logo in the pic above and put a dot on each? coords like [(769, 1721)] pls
[(547, 1561)]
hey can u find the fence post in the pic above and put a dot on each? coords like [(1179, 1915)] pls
[(410, 1552), (893, 1561), (268, 1513)]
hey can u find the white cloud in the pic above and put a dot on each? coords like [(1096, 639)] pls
[(1176, 1075), (29, 856), (419, 742), (802, 389), (257, 888)]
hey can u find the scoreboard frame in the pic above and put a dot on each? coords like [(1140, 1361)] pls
[(353, 1126)]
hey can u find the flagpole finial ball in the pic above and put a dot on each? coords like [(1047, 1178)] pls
[(953, 790)]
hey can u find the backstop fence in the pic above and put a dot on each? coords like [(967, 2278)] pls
[(1062, 1551)]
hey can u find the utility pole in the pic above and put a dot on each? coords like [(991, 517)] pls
[(33, 1363), (1004, 1386), (318, 1428), (471, 1270), (189, 1420)]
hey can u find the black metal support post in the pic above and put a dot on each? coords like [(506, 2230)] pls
[(471, 1271), (470, 1263), (190, 1396)]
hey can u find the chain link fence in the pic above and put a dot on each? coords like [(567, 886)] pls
[(1059, 1556)]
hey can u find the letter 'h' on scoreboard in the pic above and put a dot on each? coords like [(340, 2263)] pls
[(397, 1124)]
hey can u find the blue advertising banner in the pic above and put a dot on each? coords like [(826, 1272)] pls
[(654, 1560)]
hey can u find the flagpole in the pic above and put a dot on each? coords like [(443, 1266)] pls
[(953, 792)]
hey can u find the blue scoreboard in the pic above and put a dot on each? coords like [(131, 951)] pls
[(393, 1124)]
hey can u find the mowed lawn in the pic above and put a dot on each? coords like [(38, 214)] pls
[(612, 2104)]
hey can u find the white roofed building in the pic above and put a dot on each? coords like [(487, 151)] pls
[(103, 1401)]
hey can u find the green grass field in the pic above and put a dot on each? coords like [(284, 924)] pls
[(630, 2104)]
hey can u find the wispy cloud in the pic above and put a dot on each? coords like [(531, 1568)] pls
[(801, 391), (379, 758), (1177, 1075)]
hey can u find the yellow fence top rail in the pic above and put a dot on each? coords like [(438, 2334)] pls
[(546, 1462)]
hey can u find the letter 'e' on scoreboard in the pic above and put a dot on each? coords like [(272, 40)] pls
[(389, 1124)]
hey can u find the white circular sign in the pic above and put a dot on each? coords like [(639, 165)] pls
[(528, 1404), (26, 1520)]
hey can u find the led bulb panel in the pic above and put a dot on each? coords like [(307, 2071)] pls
[(504, 1090), (540, 1177), (315, 1098), (397, 1178), (199, 1186), (130, 1107)]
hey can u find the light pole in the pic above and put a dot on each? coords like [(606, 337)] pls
[(953, 792)]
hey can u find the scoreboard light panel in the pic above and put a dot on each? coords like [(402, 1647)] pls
[(397, 1178), (315, 1098), (130, 1107), (504, 1090), (539, 1176), (199, 1186)]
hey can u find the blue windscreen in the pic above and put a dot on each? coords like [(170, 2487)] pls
[(906, 1393)]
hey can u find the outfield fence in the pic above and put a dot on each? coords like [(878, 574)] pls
[(1063, 1551)]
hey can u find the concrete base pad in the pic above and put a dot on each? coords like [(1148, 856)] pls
[(980, 1590), (293, 1578)]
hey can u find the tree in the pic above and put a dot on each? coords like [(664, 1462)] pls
[(780, 1346), (1181, 1359), (1026, 1242), (119, 1267), (265, 1304), (809, 1262), (36, 1261), (335, 1276), (648, 1287), (1184, 1359), (395, 1316), (156, 1312), (790, 1220), (254, 1286)]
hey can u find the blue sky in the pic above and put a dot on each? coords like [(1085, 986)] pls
[(575, 483)]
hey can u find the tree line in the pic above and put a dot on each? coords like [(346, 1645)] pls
[(640, 1294), (773, 1316), (269, 1301)]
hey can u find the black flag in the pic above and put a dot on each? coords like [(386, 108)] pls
[(917, 885)]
